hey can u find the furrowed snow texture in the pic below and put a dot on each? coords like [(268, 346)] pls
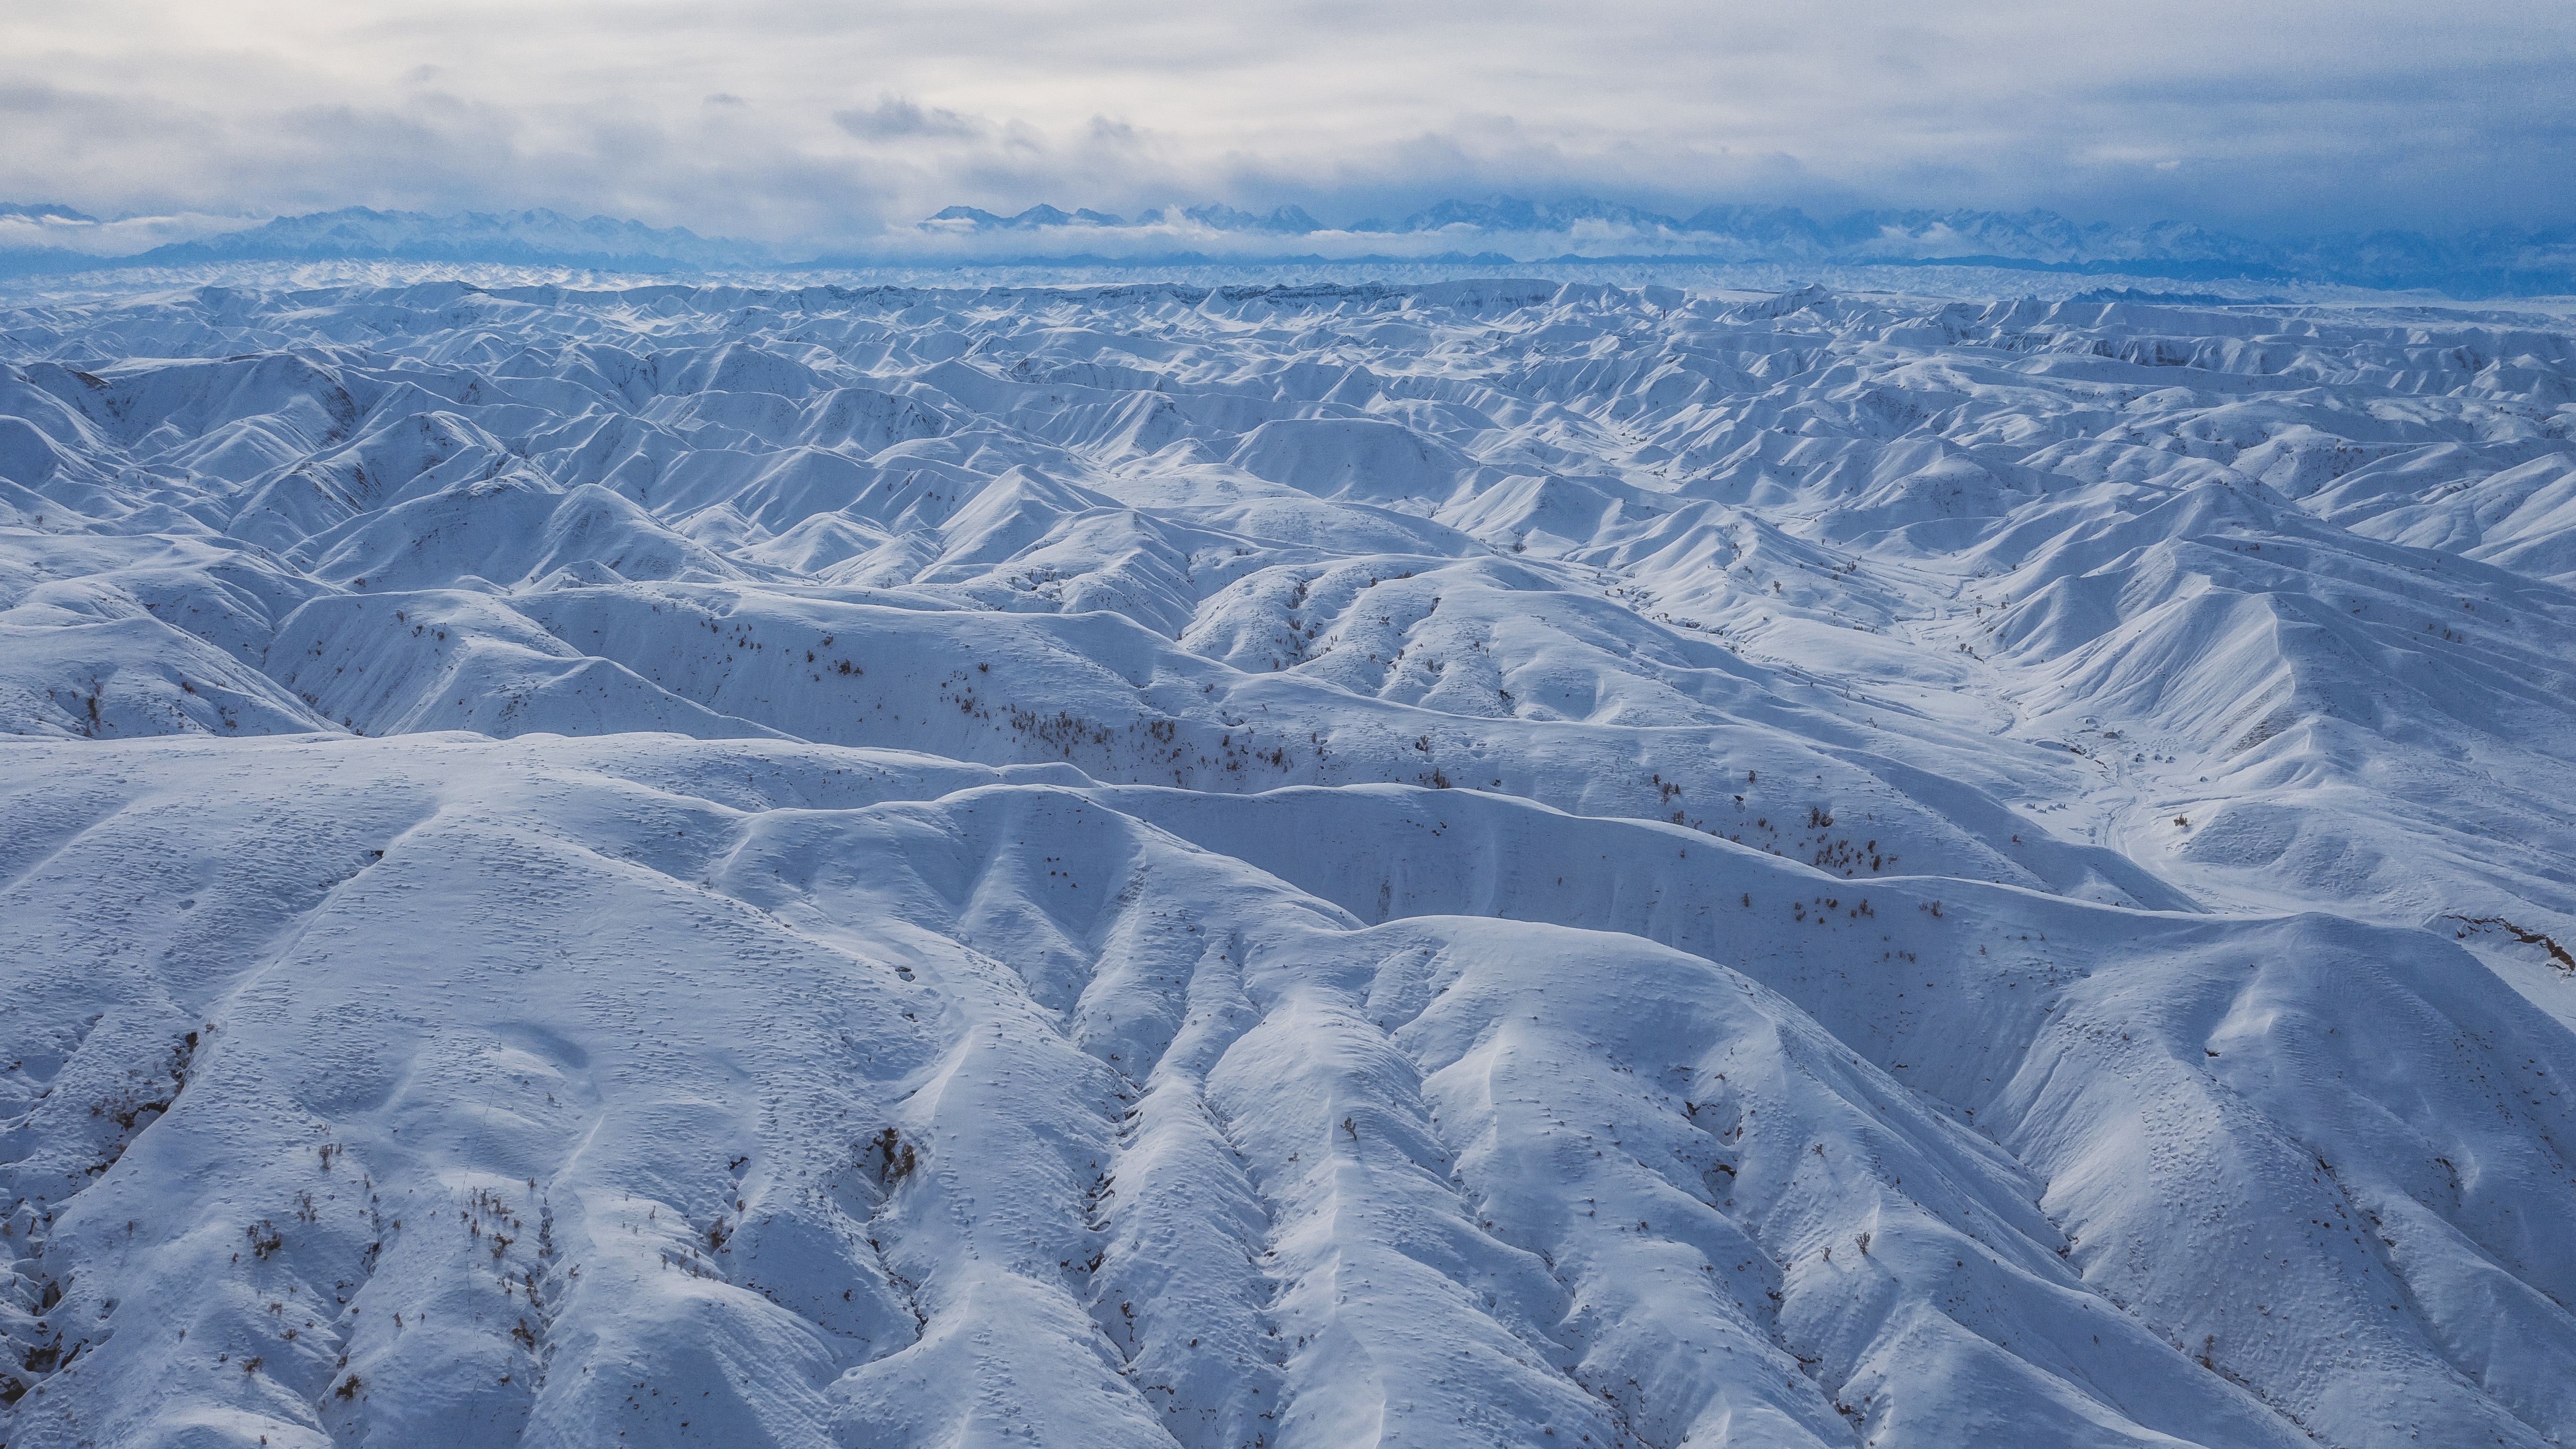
[(1478, 864)]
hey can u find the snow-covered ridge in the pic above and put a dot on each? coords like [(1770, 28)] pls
[(1283, 865)]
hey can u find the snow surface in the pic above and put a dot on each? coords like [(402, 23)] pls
[(1481, 863)]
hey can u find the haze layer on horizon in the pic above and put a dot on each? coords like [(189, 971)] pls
[(795, 120)]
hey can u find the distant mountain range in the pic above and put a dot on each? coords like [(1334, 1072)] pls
[(1285, 221), (539, 238), (2487, 262), (2499, 261)]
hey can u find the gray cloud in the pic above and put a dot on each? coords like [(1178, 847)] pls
[(893, 118)]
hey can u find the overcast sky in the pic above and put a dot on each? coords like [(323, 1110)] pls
[(790, 119)]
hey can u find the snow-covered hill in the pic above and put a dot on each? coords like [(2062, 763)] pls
[(1491, 862)]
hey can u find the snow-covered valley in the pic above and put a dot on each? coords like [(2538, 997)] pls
[(1476, 863)]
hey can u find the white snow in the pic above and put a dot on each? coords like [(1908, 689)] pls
[(1478, 863)]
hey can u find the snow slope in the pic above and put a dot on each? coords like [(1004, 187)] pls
[(1487, 862)]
